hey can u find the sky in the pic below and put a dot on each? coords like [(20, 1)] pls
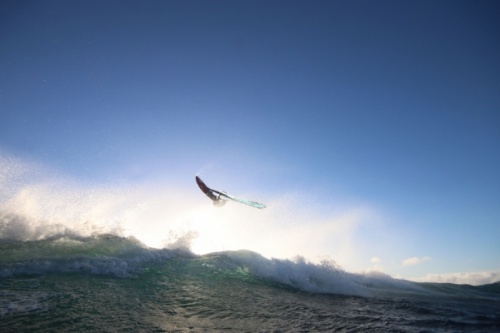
[(371, 129)]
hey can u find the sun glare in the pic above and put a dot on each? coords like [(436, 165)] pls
[(210, 236)]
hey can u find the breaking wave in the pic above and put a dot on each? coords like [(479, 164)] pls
[(60, 250)]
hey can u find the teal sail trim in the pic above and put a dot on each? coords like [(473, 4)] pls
[(250, 203), (243, 201)]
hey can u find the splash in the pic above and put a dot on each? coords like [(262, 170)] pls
[(41, 204)]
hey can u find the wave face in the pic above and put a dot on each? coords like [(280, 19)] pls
[(104, 282)]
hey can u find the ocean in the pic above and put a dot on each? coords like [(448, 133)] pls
[(110, 283)]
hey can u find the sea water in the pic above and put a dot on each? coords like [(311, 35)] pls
[(77, 257), (108, 283)]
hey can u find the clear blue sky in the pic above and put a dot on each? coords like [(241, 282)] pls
[(393, 106)]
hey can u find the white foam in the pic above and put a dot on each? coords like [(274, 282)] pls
[(325, 277)]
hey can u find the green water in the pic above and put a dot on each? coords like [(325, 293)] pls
[(112, 284)]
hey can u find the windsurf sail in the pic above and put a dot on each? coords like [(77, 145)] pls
[(219, 198)]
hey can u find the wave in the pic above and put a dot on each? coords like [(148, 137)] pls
[(125, 257), (27, 249), (177, 280), (30, 248), (101, 254)]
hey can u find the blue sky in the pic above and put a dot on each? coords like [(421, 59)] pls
[(387, 111)]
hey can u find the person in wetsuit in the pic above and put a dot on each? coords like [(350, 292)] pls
[(217, 200)]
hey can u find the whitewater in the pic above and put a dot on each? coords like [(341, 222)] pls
[(83, 257)]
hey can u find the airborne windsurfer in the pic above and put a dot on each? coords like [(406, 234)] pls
[(217, 200), (217, 197)]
